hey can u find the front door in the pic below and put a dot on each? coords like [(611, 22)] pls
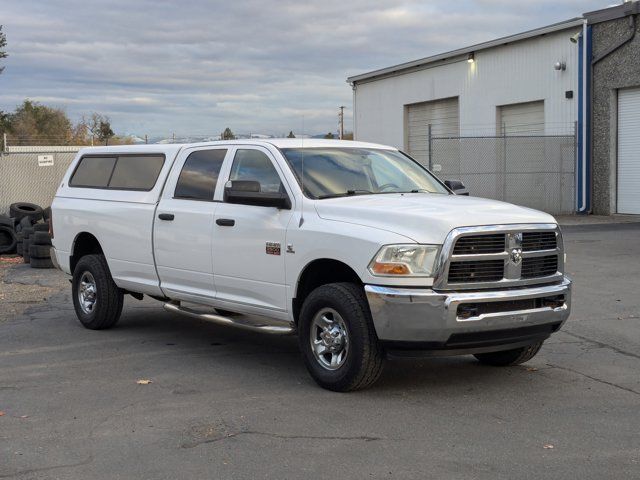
[(249, 241), (183, 226)]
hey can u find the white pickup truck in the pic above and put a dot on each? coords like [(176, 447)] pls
[(355, 247)]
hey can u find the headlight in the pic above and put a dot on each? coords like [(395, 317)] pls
[(405, 260)]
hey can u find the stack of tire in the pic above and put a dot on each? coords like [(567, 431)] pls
[(26, 232), (8, 240)]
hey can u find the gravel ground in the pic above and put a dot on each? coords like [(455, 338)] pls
[(226, 404), (23, 286)]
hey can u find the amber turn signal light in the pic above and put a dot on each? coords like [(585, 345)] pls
[(390, 269)]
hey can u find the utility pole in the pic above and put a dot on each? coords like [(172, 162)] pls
[(146, 139), (341, 121), (173, 138)]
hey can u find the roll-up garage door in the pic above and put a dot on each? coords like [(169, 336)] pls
[(629, 151), (443, 117), (521, 119)]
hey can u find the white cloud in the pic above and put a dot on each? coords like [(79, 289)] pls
[(197, 66)]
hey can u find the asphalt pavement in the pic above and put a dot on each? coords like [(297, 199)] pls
[(226, 404)]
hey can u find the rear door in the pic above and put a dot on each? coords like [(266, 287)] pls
[(183, 225)]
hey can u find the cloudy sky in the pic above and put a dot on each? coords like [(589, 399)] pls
[(194, 67)]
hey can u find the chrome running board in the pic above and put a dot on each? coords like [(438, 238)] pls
[(232, 322)]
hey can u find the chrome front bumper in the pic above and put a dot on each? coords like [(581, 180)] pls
[(427, 318)]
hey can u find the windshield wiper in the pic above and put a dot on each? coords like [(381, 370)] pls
[(416, 190), (348, 193)]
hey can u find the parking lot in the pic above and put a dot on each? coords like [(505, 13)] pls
[(229, 404)]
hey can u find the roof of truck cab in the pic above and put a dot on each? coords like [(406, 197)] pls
[(173, 148), (167, 149), (315, 143), (295, 143)]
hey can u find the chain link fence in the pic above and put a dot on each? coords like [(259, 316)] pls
[(32, 174), (533, 171)]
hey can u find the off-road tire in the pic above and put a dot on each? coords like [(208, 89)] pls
[(41, 227), (26, 258), (41, 262), (25, 222), (365, 358), (20, 210), (7, 239), (509, 357), (46, 214), (109, 298), (40, 238), (39, 251), (7, 221), (26, 243)]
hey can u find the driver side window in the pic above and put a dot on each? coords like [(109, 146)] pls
[(254, 165)]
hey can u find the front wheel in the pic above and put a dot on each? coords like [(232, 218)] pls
[(96, 298), (509, 357), (337, 338)]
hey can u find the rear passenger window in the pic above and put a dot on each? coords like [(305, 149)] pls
[(199, 175), (93, 172), (126, 172), (136, 173)]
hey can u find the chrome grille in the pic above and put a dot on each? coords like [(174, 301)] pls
[(480, 244), (538, 241), (476, 271), (539, 266), (500, 255)]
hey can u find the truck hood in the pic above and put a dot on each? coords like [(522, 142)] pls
[(424, 217)]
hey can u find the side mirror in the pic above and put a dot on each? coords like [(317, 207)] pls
[(457, 187), (247, 192)]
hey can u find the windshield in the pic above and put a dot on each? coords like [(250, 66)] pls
[(335, 172)]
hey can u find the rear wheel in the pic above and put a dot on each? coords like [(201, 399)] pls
[(96, 298), (337, 338), (509, 357)]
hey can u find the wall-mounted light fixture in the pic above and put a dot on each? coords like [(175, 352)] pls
[(471, 58), (561, 66)]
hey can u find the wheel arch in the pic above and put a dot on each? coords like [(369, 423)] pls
[(85, 243), (318, 272)]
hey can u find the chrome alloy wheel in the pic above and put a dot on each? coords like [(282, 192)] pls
[(329, 339), (87, 293)]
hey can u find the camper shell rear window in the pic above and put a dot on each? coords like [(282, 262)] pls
[(118, 172)]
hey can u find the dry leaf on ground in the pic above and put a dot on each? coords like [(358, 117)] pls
[(548, 446), (144, 381)]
